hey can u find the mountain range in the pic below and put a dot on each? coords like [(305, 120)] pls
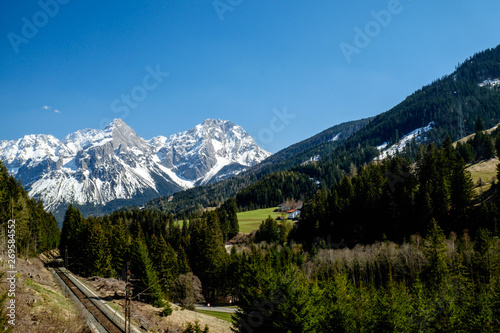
[(102, 170)]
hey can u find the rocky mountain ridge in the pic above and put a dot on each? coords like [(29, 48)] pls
[(96, 167)]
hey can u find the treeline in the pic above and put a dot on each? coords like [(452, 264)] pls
[(397, 198), (481, 147), (442, 102), (483, 65), (275, 188), (194, 201), (167, 259), (36, 230), (431, 284), (302, 181), (319, 145)]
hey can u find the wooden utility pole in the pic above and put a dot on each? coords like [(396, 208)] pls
[(128, 299), (66, 257)]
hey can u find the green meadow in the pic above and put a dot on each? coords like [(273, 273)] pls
[(251, 220)]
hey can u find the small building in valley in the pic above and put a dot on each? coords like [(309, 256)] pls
[(293, 214)]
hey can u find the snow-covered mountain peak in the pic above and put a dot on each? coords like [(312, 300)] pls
[(117, 127), (124, 136), (33, 140), (82, 139), (207, 127), (117, 133), (208, 150), (118, 122), (33, 148)]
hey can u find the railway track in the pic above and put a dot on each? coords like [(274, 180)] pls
[(98, 314)]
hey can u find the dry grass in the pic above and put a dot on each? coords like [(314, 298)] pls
[(40, 304), (483, 174), (178, 320)]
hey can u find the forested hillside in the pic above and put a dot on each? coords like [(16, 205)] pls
[(315, 146), (353, 277), (35, 230), (163, 254), (396, 198), (453, 102)]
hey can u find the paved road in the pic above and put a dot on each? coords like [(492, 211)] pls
[(216, 308)]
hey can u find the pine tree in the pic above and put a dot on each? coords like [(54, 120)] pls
[(484, 265), (208, 255), (147, 284), (98, 252), (118, 242), (497, 143), (437, 268), (268, 231), (174, 232), (231, 210), (480, 126), (195, 328), (461, 196), (182, 261), (23, 234), (71, 232), (164, 260)]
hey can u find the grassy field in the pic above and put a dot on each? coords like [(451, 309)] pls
[(221, 315), (486, 171), (251, 220)]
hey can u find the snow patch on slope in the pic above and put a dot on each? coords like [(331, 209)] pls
[(417, 135), (336, 137), (490, 83)]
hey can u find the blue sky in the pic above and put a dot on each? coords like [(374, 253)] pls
[(246, 61)]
